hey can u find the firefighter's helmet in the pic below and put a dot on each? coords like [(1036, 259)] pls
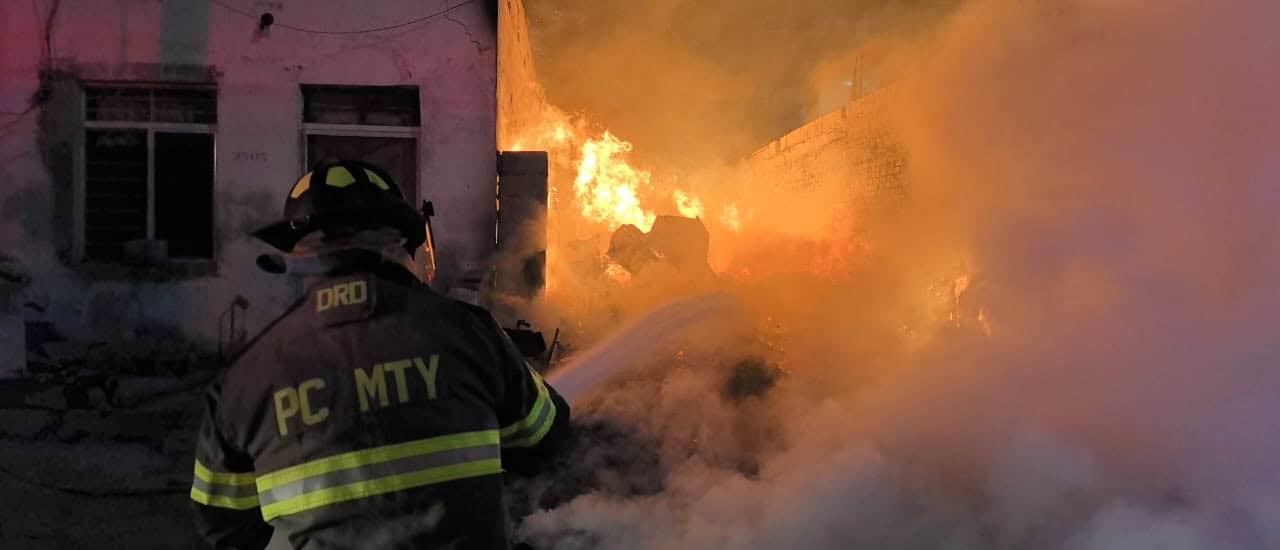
[(340, 198)]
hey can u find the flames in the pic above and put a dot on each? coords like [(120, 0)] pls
[(598, 185), (608, 187), (612, 191)]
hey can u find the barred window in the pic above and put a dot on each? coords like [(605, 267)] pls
[(375, 124), (148, 172)]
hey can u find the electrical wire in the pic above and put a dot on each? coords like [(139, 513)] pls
[(414, 21), (48, 33), (46, 64)]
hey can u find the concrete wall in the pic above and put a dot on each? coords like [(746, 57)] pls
[(452, 58)]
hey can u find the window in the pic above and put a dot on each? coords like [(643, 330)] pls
[(361, 105), (375, 124), (148, 172)]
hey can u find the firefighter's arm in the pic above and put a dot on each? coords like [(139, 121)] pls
[(534, 418), (223, 489)]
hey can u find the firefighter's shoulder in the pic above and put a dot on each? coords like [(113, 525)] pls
[(456, 311), (478, 319), (247, 368)]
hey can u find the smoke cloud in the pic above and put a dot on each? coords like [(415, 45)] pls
[(1103, 376), (694, 84)]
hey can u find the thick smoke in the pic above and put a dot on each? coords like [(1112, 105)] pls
[(1107, 376), (700, 83)]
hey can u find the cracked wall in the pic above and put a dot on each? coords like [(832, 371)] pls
[(259, 141)]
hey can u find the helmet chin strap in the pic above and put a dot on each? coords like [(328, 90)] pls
[(316, 257)]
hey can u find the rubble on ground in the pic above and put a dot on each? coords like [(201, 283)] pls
[(91, 431), (13, 284), (24, 423)]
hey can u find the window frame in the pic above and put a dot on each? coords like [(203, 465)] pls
[(357, 131), (81, 168), (305, 89)]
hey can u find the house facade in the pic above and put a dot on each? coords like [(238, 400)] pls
[(142, 141)]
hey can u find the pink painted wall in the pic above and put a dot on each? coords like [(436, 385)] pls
[(452, 59)]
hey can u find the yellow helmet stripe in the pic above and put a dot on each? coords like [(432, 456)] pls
[(339, 177), (301, 187), (377, 180)]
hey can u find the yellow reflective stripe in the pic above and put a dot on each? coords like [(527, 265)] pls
[(234, 503), (325, 497), (223, 478), (373, 456), (339, 177), (377, 180), (301, 187), (537, 436), (534, 412)]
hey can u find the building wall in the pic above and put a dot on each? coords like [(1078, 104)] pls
[(851, 146), (522, 102), (259, 143)]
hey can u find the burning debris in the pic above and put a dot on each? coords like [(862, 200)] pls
[(679, 244)]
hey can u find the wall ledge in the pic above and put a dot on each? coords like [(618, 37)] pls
[(139, 72), (174, 271)]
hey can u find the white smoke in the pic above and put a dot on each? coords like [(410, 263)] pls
[(1108, 169)]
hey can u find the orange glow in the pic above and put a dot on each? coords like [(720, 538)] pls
[(688, 205), (618, 274), (730, 217)]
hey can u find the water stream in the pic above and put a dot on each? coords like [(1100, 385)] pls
[(642, 338)]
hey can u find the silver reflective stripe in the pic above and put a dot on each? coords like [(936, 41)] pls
[(223, 490), (369, 472)]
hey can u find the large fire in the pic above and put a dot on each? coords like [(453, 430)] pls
[(760, 233), (608, 188), (597, 186)]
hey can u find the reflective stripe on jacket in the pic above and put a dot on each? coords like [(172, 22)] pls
[(373, 414)]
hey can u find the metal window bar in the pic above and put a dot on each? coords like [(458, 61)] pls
[(202, 102), (361, 105)]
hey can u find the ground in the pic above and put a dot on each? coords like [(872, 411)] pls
[(110, 476)]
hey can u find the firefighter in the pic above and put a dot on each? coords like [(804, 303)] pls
[(374, 413)]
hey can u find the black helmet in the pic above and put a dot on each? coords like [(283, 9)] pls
[(344, 196)]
